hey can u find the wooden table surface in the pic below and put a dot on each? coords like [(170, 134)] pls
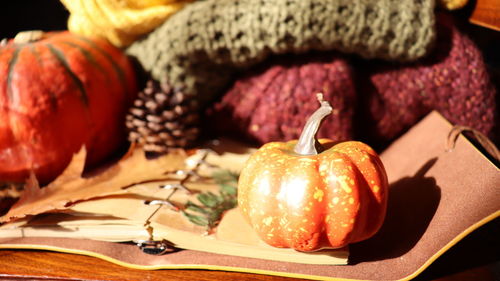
[(476, 257), (40, 265)]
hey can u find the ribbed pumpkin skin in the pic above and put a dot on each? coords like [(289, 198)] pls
[(331, 199), (57, 94)]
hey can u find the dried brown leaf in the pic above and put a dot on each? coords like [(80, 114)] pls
[(71, 187)]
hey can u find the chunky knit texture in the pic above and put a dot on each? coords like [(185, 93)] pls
[(204, 43), (119, 21), (273, 103), (378, 100), (454, 81)]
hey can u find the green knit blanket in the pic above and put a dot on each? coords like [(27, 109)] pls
[(203, 44)]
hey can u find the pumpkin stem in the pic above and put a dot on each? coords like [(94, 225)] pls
[(308, 144), (30, 36)]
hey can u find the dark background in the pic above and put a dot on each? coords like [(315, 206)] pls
[(21, 15)]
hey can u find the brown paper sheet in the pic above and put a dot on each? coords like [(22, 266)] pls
[(436, 198)]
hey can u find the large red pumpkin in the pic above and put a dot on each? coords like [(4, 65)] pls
[(59, 91), (308, 195)]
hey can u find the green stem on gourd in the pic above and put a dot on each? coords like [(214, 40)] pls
[(308, 144)]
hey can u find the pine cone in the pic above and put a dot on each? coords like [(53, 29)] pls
[(162, 118)]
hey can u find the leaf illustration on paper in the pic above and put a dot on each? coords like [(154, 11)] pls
[(70, 186)]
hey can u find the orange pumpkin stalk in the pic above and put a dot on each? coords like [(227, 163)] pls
[(311, 194), (59, 91)]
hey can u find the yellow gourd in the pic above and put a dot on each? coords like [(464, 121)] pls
[(119, 21)]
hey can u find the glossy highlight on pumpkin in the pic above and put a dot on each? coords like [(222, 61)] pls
[(59, 91), (331, 199)]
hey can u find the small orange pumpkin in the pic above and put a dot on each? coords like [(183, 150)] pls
[(310, 194), (59, 91)]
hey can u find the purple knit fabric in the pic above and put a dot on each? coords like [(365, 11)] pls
[(453, 81), (273, 103), (377, 104)]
